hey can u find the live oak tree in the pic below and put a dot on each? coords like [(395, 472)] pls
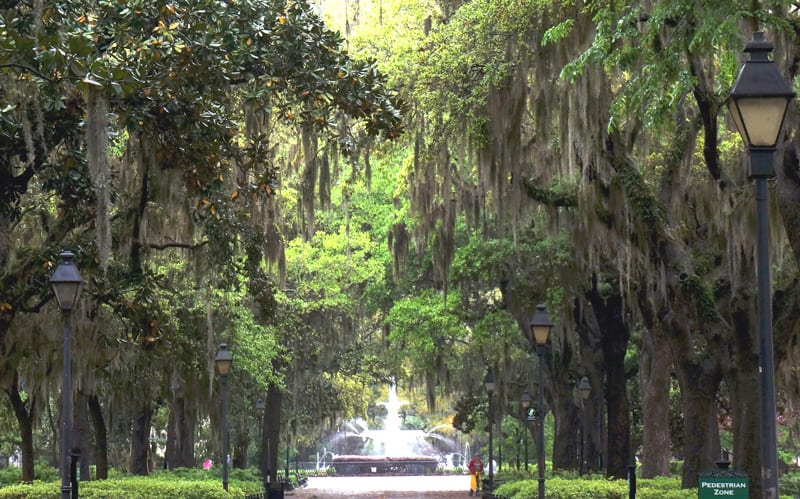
[(609, 120), (140, 134)]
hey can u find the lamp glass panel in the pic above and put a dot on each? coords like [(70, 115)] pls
[(760, 118), (540, 334), (224, 366), (737, 120), (67, 294), (585, 388), (488, 383)]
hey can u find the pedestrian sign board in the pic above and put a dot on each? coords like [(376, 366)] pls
[(723, 483)]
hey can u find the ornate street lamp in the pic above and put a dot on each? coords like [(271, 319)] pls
[(488, 383), (525, 403), (758, 104), (66, 282), (540, 325), (585, 389), (223, 360)]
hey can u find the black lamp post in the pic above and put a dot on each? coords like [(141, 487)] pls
[(224, 359), (758, 104), (585, 389), (488, 383), (540, 330), (525, 402), (286, 466), (66, 283), (260, 406)]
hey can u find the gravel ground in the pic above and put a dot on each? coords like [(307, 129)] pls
[(385, 487)]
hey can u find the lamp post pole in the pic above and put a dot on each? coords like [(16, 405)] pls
[(540, 325), (260, 406), (585, 389), (224, 381), (525, 402), (286, 468), (66, 283), (488, 382), (769, 438), (224, 360), (540, 464), (758, 103)]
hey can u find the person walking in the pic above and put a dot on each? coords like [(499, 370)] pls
[(475, 474)]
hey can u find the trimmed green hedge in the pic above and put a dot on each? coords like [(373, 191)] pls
[(135, 488), (576, 488), (562, 488)]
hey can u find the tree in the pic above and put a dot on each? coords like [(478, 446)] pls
[(189, 96), (609, 122)]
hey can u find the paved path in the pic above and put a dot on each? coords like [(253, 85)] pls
[(385, 487)]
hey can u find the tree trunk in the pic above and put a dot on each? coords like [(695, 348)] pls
[(53, 427), (593, 368), (699, 383), (140, 439), (180, 435), (100, 438), (618, 418), (80, 434), (655, 366), (561, 387), (699, 372), (270, 435), (742, 380), (567, 443), (241, 442), (25, 423), (611, 319)]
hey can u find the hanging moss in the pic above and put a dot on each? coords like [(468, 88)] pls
[(325, 182), (309, 140), (97, 156)]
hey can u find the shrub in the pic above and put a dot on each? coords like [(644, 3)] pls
[(41, 472), (163, 486), (561, 488)]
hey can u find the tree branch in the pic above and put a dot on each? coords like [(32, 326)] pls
[(550, 197), (30, 70), (165, 246)]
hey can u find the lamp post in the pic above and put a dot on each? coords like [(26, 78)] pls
[(585, 389), (540, 330), (286, 466), (488, 383), (525, 402), (260, 406), (66, 283), (224, 359), (758, 103)]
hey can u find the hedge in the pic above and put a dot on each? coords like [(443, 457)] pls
[(135, 488), (561, 488)]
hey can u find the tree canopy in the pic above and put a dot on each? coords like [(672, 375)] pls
[(392, 204)]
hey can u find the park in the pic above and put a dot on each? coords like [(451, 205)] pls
[(351, 248)]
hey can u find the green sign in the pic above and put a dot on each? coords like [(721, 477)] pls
[(531, 415), (732, 485)]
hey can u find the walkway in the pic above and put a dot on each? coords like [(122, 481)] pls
[(385, 487)]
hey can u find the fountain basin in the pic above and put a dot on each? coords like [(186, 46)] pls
[(374, 465)]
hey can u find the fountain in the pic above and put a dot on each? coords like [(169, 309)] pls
[(390, 449)]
